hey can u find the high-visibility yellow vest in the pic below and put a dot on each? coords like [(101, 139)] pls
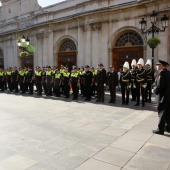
[(21, 73), (66, 74), (8, 73), (57, 75), (74, 75), (38, 73), (48, 73), (2, 74)]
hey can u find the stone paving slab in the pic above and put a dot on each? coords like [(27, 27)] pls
[(48, 133)]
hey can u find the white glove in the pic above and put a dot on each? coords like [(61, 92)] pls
[(104, 84)]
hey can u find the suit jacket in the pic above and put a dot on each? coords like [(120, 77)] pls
[(162, 87)]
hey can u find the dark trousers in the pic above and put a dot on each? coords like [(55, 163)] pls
[(75, 90), (100, 91), (164, 116), (112, 89), (82, 88), (88, 91), (140, 90), (67, 90), (2, 85), (148, 91), (16, 86), (10, 85), (49, 88), (22, 86), (30, 85), (133, 92), (125, 94), (39, 87), (44, 85)]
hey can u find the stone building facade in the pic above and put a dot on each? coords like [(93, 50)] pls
[(79, 32)]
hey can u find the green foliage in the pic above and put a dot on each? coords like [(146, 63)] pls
[(23, 54), (30, 49), (153, 42)]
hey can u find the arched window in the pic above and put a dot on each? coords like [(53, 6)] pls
[(68, 45), (129, 38), (1, 59)]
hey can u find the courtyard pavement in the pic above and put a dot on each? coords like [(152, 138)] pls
[(48, 133)]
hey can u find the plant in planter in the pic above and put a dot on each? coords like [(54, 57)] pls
[(23, 54), (153, 42)]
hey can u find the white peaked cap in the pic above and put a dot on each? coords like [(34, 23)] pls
[(148, 62), (133, 63), (126, 65), (140, 61)]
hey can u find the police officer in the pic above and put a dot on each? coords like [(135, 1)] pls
[(101, 81), (30, 80), (57, 82), (2, 76), (22, 80), (9, 78), (75, 82), (62, 71), (162, 92), (15, 79), (125, 80), (38, 77), (149, 79), (93, 83), (82, 88), (66, 82), (49, 81), (140, 82), (88, 82), (44, 82), (133, 78), (112, 81)]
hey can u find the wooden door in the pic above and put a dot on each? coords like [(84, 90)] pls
[(67, 59), (120, 55), (27, 62)]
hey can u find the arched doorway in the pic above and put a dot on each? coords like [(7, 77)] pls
[(1, 59), (128, 46), (67, 54)]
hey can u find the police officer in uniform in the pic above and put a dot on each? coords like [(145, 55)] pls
[(9, 79), (125, 80), (82, 88), (57, 82), (44, 82), (162, 92), (66, 82), (2, 76), (75, 82), (140, 82), (22, 80), (133, 78), (38, 77), (15, 79), (101, 81), (30, 80), (150, 79), (88, 81), (49, 81), (112, 81)]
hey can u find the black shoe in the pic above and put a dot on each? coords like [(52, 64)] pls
[(126, 103), (158, 132), (143, 105), (110, 101), (98, 100), (123, 103), (137, 104)]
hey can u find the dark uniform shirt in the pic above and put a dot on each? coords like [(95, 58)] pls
[(112, 78), (101, 77), (141, 76), (88, 75)]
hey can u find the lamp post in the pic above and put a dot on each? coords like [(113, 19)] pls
[(154, 29), (23, 40)]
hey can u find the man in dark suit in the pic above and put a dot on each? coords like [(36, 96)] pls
[(162, 92), (101, 81)]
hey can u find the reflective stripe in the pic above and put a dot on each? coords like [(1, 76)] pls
[(48, 73)]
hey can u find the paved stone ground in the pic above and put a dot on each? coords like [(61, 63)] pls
[(47, 133)]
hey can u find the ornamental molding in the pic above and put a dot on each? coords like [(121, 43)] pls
[(92, 27)]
